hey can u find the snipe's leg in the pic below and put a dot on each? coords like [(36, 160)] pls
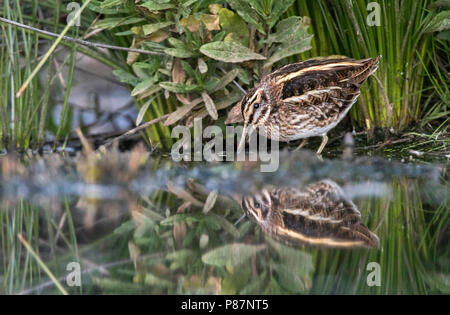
[(302, 144), (323, 144)]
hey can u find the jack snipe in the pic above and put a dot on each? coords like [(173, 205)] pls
[(305, 99), (318, 215)]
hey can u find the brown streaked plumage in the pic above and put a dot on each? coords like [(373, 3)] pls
[(318, 215), (305, 99)]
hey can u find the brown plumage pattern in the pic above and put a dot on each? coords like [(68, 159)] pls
[(305, 99), (317, 215)]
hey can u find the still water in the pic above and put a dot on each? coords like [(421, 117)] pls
[(112, 222)]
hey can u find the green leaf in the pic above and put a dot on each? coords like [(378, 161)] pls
[(244, 76), (124, 33), (210, 107), (175, 42), (150, 28), (142, 111), (219, 36), (143, 86), (439, 23), (211, 83), (225, 80), (189, 70), (233, 282), (229, 52), (155, 5), (126, 77), (202, 66), (181, 112), (279, 7), (179, 52), (110, 23), (110, 3), (288, 29), (257, 5), (290, 48), (232, 254), (96, 6), (251, 16), (445, 35), (177, 87), (234, 24)]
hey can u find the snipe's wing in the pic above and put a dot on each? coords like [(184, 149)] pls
[(322, 89)]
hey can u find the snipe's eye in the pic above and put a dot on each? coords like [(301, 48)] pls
[(257, 205), (256, 105)]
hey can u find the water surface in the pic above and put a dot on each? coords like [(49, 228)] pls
[(137, 223)]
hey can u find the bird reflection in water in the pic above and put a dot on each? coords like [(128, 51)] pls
[(317, 215)]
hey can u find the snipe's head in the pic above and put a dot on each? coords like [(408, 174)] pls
[(255, 107), (257, 207)]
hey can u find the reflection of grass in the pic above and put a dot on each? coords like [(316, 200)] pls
[(142, 255), (409, 248)]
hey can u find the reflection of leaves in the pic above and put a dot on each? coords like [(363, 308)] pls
[(229, 52), (210, 201), (234, 24), (232, 254), (232, 283), (225, 225), (182, 217), (180, 258), (255, 286), (156, 281), (294, 268), (289, 279)]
